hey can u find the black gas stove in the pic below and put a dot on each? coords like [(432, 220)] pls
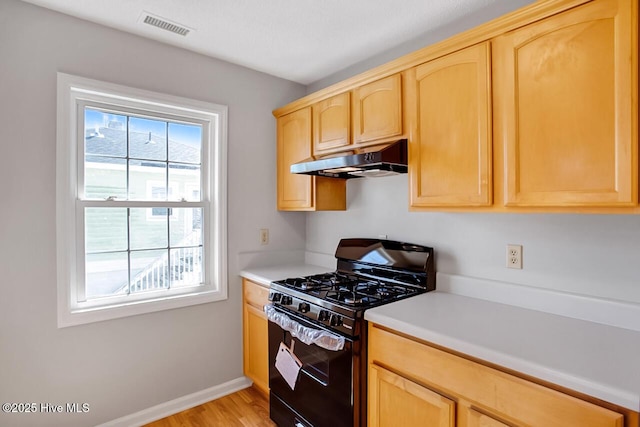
[(370, 272), (319, 321)]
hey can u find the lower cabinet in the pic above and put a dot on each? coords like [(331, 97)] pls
[(412, 383), (255, 334), (395, 400)]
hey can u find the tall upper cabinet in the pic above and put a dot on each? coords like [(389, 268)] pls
[(302, 192), (450, 118), (566, 97)]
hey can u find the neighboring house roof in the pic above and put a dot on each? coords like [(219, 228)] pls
[(110, 142)]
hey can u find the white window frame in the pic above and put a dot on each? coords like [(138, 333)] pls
[(150, 186), (73, 93)]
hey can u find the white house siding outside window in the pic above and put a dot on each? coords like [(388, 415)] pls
[(141, 201)]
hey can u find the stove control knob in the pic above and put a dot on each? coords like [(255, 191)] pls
[(303, 307), (335, 320), (286, 300), (275, 297), (323, 315)]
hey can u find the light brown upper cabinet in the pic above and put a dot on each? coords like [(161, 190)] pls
[(450, 118), (535, 111), (303, 192), (566, 108), (294, 145), (332, 123), (377, 110)]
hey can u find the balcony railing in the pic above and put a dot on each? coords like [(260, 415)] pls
[(175, 268), (182, 268)]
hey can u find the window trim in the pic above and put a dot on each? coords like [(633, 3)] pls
[(71, 90)]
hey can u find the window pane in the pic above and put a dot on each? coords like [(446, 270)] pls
[(185, 180), (147, 180), (186, 227), (185, 143), (105, 229), (148, 231), (105, 133), (105, 177), (186, 267), (107, 274), (149, 270), (147, 139)]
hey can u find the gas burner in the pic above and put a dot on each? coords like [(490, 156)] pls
[(306, 285), (352, 300)]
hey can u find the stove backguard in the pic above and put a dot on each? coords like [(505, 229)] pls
[(387, 259)]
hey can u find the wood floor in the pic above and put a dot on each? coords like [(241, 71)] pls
[(245, 408)]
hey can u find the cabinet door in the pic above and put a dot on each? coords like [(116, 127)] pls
[(565, 88), (331, 123), (303, 192), (450, 154), (397, 401), (377, 109), (294, 145), (256, 346)]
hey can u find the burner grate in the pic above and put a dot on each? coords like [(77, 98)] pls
[(348, 289)]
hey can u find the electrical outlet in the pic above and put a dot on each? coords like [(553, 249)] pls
[(264, 236), (514, 256)]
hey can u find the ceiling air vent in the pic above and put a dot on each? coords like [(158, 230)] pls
[(163, 24)]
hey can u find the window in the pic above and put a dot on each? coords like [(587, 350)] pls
[(141, 201)]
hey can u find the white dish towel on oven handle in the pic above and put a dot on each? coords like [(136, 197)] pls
[(323, 339)]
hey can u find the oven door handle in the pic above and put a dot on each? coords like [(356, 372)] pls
[(321, 338)]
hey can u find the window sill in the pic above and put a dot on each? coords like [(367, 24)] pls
[(73, 317)]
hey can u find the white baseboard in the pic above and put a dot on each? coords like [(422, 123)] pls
[(180, 404)]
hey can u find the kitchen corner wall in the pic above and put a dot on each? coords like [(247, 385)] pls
[(594, 255), (126, 365), (430, 36)]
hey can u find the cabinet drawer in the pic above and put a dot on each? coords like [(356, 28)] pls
[(255, 294), (510, 398)]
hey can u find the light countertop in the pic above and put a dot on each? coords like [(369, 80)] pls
[(598, 360)]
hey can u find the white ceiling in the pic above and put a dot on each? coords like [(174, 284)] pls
[(299, 40)]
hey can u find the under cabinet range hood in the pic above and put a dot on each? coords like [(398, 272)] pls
[(389, 159)]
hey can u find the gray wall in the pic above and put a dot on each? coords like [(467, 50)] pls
[(126, 365), (594, 255)]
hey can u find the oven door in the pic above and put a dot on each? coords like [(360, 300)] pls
[(323, 394)]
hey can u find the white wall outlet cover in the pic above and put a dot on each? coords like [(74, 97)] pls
[(514, 256)]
